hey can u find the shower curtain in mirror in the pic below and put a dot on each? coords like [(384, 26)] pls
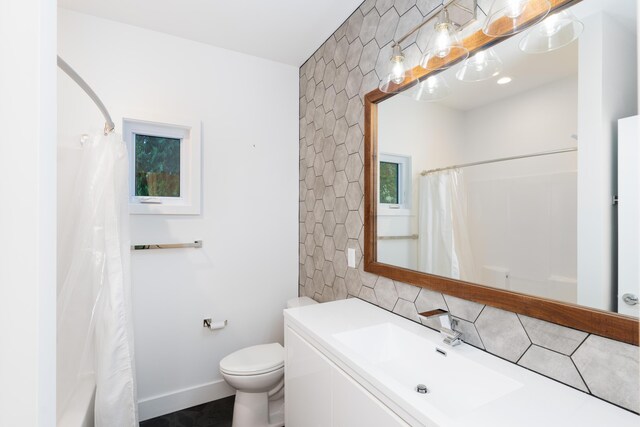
[(443, 243), (95, 331)]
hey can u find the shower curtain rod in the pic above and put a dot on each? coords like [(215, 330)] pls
[(108, 126), (503, 159)]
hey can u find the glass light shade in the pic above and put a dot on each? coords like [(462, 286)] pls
[(444, 43), (434, 88), (398, 73), (507, 17), (556, 31), (481, 66)]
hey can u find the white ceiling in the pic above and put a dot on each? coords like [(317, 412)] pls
[(287, 31)]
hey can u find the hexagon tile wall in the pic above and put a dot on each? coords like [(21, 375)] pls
[(333, 83)]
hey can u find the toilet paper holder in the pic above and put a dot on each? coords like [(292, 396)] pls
[(208, 323)]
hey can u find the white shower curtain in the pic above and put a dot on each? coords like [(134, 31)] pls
[(95, 332), (443, 243)]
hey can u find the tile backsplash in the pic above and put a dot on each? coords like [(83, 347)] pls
[(333, 83)]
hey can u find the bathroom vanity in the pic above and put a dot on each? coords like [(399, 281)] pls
[(350, 363)]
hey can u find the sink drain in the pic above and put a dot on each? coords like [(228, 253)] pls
[(422, 389)]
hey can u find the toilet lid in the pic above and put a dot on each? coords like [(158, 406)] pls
[(258, 359)]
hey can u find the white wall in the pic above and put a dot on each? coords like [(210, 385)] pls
[(27, 216), (248, 266), (608, 85)]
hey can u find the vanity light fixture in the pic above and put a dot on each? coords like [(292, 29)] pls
[(508, 17), (398, 72), (483, 65), (504, 80), (444, 42), (556, 31)]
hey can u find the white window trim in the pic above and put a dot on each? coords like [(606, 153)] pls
[(190, 166), (404, 185)]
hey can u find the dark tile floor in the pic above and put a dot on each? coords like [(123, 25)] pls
[(213, 414)]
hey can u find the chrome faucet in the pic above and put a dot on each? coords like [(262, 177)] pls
[(447, 326)]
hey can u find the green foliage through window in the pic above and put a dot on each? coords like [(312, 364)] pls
[(157, 166), (389, 182)]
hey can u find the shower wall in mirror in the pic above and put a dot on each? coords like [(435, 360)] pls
[(494, 178)]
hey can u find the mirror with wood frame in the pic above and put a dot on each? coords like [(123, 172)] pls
[(494, 178)]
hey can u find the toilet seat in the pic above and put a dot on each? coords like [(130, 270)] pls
[(255, 360)]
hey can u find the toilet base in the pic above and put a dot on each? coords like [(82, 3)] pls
[(256, 410)]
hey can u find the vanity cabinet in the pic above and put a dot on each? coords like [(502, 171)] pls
[(318, 393)]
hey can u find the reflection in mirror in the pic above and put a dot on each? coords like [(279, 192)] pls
[(501, 170)]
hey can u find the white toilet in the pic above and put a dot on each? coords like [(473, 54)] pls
[(257, 374)]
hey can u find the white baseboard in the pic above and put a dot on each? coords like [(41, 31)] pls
[(166, 403)]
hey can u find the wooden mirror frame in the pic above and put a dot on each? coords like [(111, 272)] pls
[(611, 325)]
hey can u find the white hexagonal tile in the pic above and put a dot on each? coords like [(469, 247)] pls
[(339, 288), (329, 149), (340, 237), (340, 104), (318, 234), (340, 130), (329, 197), (383, 5), (387, 26), (427, 6), (310, 246), (370, 82), (610, 369), (340, 157), (318, 73), (354, 23), (329, 50), (369, 57), (339, 83), (328, 248), (402, 6), (353, 168), (340, 263), (353, 225), (353, 54), (354, 81), (329, 173), (386, 293), (329, 99), (354, 111), (340, 53), (318, 164), (354, 198), (328, 273), (329, 124), (407, 310), (318, 118), (369, 26), (353, 141), (329, 223), (340, 183), (502, 333), (352, 280), (340, 211)]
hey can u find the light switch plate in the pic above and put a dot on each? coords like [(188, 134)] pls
[(351, 257)]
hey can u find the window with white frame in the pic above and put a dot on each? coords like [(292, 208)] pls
[(164, 167), (394, 178)]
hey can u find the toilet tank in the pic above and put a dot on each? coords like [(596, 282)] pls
[(300, 302)]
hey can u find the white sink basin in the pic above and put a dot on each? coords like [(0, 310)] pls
[(402, 360)]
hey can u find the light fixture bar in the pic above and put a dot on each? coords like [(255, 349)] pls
[(435, 12), (428, 18)]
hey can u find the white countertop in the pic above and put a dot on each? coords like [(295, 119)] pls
[(537, 401)]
